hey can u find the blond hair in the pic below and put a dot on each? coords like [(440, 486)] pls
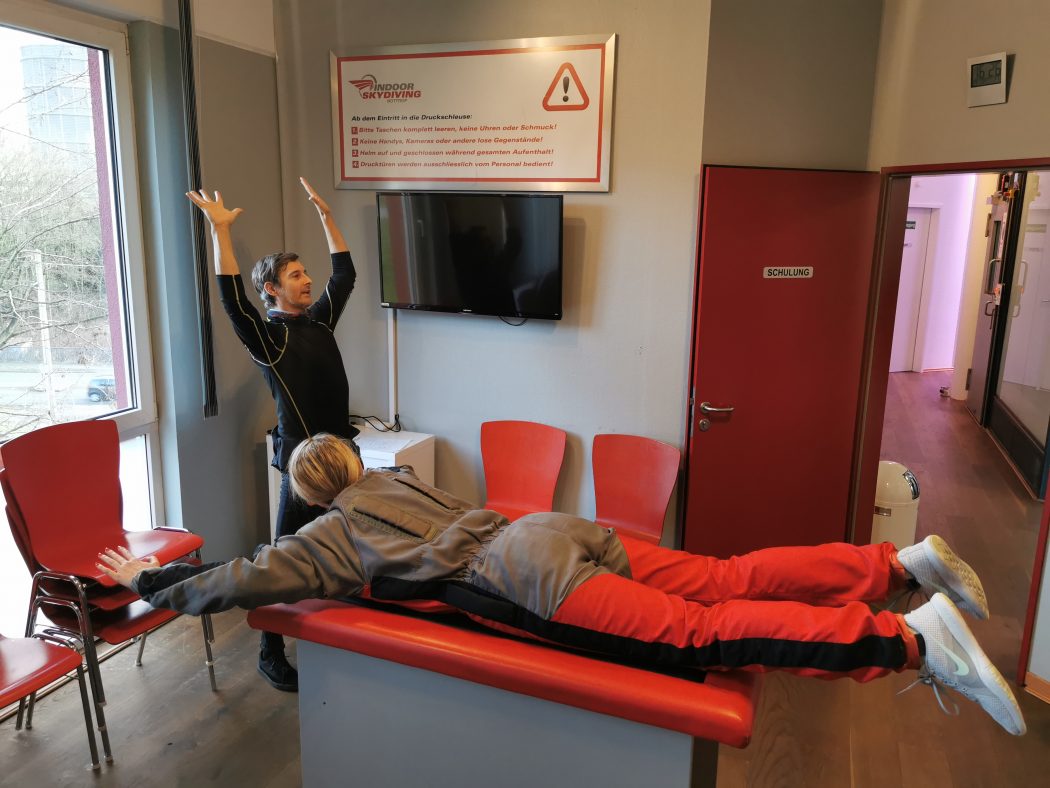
[(323, 466)]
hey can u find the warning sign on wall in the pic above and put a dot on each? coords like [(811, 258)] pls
[(527, 114)]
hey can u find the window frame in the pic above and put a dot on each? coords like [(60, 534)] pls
[(105, 34)]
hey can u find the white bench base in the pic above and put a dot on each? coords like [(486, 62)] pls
[(370, 722)]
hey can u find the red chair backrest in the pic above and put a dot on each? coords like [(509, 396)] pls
[(633, 481), (64, 481), (522, 461), (17, 526)]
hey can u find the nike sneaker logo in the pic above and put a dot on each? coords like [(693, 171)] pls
[(961, 668)]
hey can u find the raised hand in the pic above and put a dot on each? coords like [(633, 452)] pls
[(218, 215), (122, 566), (316, 199), (336, 242)]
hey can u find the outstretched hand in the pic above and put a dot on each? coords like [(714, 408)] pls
[(315, 198), (218, 215), (122, 566)]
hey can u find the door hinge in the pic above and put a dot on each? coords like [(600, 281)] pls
[(969, 374)]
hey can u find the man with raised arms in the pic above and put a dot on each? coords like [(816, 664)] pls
[(295, 349)]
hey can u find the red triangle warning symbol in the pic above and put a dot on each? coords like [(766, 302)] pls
[(566, 91)]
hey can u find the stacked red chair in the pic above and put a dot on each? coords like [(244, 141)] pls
[(65, 506)]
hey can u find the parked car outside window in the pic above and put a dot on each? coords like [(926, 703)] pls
[(99, 389)]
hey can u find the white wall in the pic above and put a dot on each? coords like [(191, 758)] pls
[(247, 24), (920, 114), (970, 292), (618, 361), (951, 198)]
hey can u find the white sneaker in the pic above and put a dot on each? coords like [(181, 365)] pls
[(936, 567), (955, 659)]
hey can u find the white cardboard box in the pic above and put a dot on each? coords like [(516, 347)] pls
[(387, 449)]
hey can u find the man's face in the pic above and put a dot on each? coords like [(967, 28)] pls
[(293, 291)]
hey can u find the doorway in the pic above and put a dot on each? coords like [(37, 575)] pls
[(975, 496), (905, 356)]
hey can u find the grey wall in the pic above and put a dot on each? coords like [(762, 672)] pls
[(920, 113), (618, 362), (213, 470), (790, 84), (240, 151)]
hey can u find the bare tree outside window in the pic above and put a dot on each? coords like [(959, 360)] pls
[(62, 347)]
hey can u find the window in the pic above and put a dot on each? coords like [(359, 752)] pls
[(74, 340)]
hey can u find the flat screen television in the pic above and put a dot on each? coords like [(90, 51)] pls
[(481, 253)]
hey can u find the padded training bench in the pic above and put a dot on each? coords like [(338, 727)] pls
[(395, 699)]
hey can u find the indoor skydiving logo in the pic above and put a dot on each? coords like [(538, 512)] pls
[(371, 88)]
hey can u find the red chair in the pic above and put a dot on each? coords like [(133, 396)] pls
[(64, 506), (66, 482), (522, 461), (633, 481), (30, 664)]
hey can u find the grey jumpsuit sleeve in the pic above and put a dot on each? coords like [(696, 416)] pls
[(318, 561)]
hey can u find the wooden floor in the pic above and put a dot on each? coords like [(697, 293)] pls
[(166, 726), (169, 729)]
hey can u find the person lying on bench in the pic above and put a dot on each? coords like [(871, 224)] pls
[(564, 579)]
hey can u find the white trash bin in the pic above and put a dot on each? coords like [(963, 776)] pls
[(896, 505)]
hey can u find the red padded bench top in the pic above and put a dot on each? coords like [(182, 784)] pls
[(720, 708)]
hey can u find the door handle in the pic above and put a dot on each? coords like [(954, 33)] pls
[(707, 407), (989, 304)]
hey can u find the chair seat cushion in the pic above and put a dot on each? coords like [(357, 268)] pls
[(79, 558), (27, 664)]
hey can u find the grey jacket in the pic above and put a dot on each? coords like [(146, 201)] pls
[(391, 527)]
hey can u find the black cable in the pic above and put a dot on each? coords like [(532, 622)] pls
[(378, 424), (524, 320)]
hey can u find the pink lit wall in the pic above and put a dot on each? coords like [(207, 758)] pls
[(951, 198)]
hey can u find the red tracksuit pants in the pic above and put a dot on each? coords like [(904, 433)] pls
[(802, 609)]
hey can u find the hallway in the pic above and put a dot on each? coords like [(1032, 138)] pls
[(970, 495)]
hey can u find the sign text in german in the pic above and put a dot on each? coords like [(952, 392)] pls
[(528, 114)]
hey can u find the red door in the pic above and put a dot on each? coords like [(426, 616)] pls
[(782, 298)]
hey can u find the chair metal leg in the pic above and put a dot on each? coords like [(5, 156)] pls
[(209, 638), (142, 647), (209, 660), (94, 671), (21, 714), (87, 719), (95, 680), (30, 703)]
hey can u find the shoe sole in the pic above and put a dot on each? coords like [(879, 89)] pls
[(275, 684), (990, 676), (958, 575)]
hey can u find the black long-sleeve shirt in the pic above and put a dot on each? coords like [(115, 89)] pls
[(299, 358)]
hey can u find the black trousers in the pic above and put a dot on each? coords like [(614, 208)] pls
[(292, 514)]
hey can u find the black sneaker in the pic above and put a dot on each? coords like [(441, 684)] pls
[(276, 670)]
